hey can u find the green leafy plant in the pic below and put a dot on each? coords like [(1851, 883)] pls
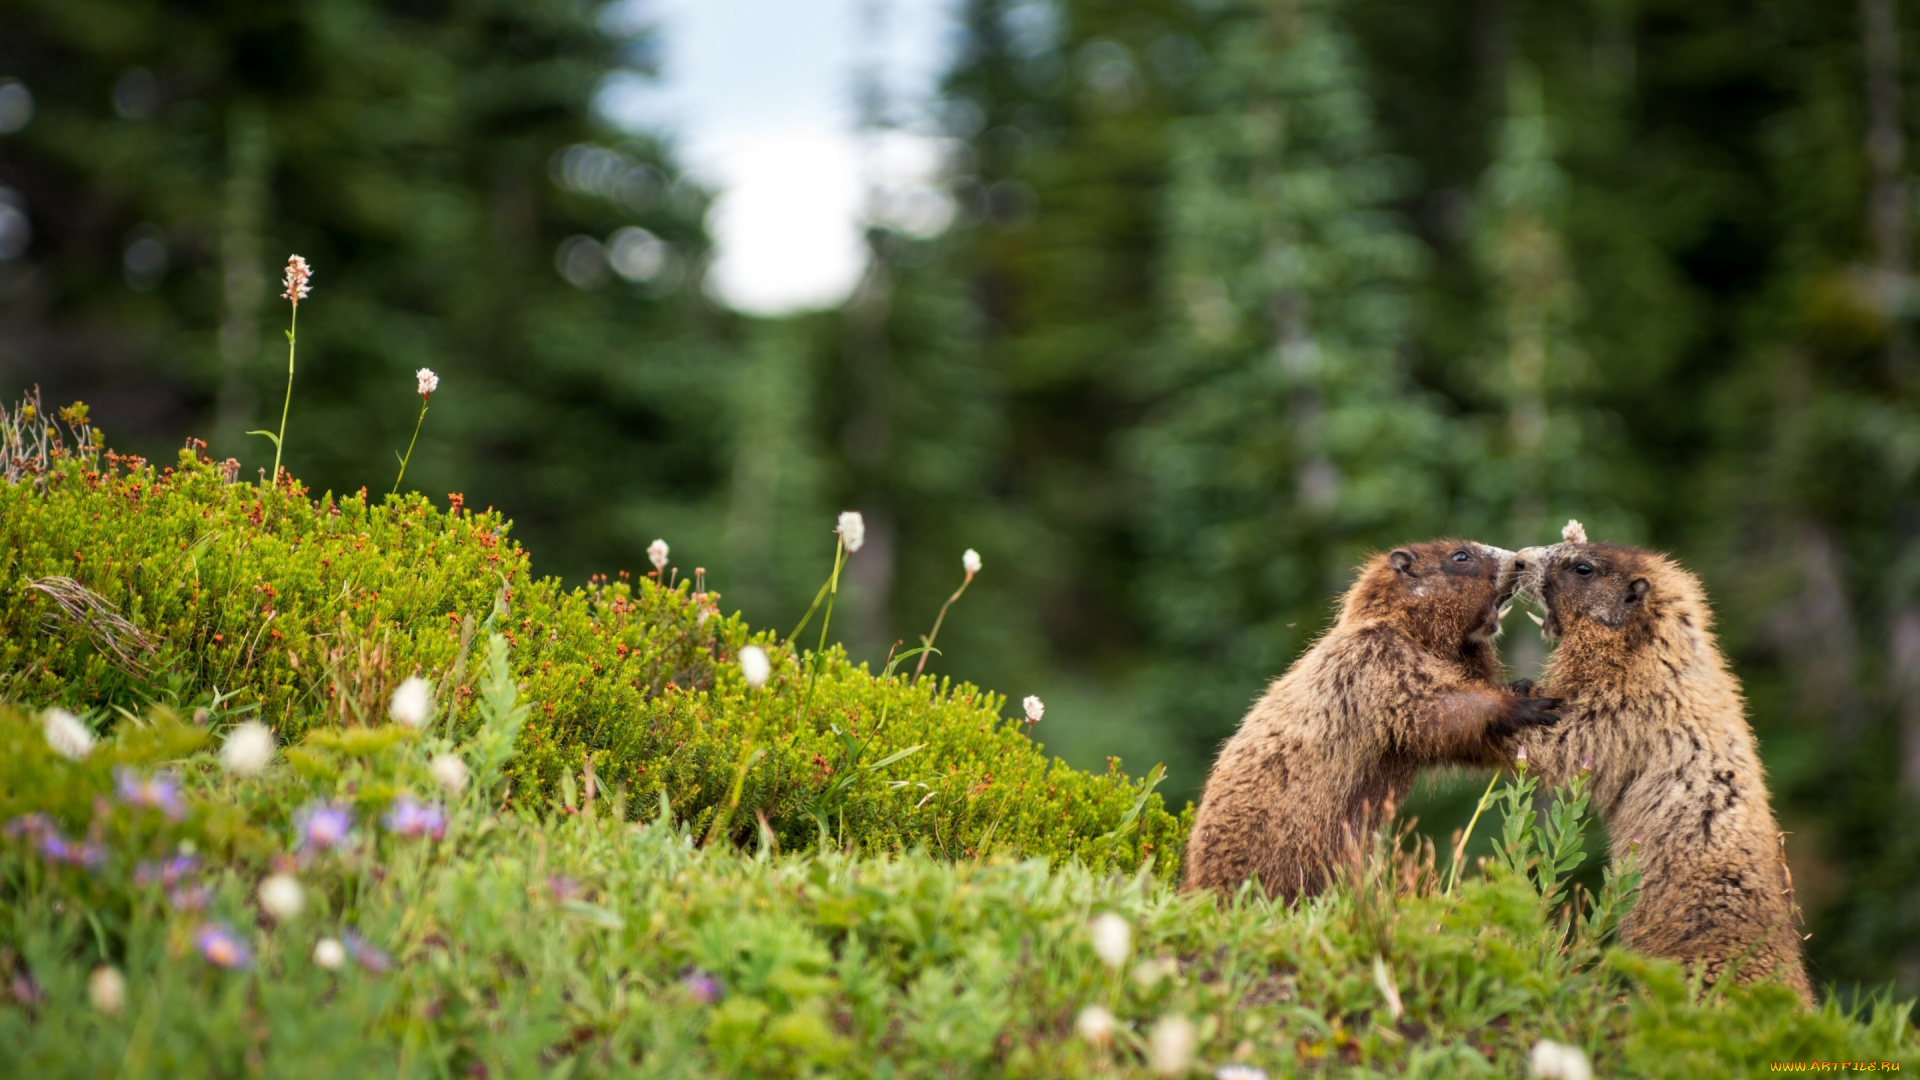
[(848, 769), (501, 717), (1544, 853)]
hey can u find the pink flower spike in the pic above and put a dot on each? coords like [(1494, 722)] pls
[(299, 274)]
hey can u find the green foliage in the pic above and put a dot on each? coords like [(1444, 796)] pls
[(534, 940), (307, 613), (501, 716)]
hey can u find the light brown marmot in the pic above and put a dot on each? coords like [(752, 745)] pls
[(1651, 709), (1407, 677)]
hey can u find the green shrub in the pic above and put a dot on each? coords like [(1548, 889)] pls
[(251, 601)]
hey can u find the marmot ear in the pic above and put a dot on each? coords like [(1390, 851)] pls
[(1402, 560), (1637, 590)]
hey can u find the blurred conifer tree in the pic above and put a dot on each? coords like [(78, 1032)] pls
[(441, 167), (1289, 439), (1064, 109)]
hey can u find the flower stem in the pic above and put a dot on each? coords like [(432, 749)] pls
[(1460, 850), (942, 617), (833, 590), (292, 326), (410, 442)]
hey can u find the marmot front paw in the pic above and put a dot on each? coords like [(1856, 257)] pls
[(1521, 687), (1529, 712)]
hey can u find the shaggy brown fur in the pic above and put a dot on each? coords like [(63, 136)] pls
[(1652, 710), (1405, 678)]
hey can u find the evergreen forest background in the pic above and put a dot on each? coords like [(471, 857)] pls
[(1234, 294)]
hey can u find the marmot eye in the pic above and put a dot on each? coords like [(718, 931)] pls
[(1583, 569), (1460, 556)]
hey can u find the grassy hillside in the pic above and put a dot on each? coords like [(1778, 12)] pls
[(592, 849)]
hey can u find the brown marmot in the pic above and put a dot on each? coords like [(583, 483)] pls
[(1406, 677), (1651, 709)]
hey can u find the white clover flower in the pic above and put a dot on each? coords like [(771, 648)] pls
[(1112, 939), (426, 382), (657, 555), (329, 953), (1558, 1061), (107, 990), (248, 748), (852, 529), (69, 738), (412, 702), (1035, 708), (1149, 972), (282, 897), (298, 276), (970, 562), (1239, 1072), (450, 771), (1574, 532), (1095, 1024), (755, 666), (1170, 1045)]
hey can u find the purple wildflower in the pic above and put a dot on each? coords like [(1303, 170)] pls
[(323, 826), (704, 987), (33, 826), (177, 868), (564, 888), (166, 874), (157, 792), (53, 844), (410, 817), (364, 953), (24, 991), (189, 897), (56, 848), (216, 942)]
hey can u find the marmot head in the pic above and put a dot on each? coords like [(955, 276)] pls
[(1610, 591), (1445, 594)]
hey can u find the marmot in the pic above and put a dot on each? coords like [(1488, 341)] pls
[(1406, 677), (1651, 709)]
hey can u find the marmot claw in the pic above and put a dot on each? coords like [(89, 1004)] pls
[(1531, 712), (1521, 687)]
